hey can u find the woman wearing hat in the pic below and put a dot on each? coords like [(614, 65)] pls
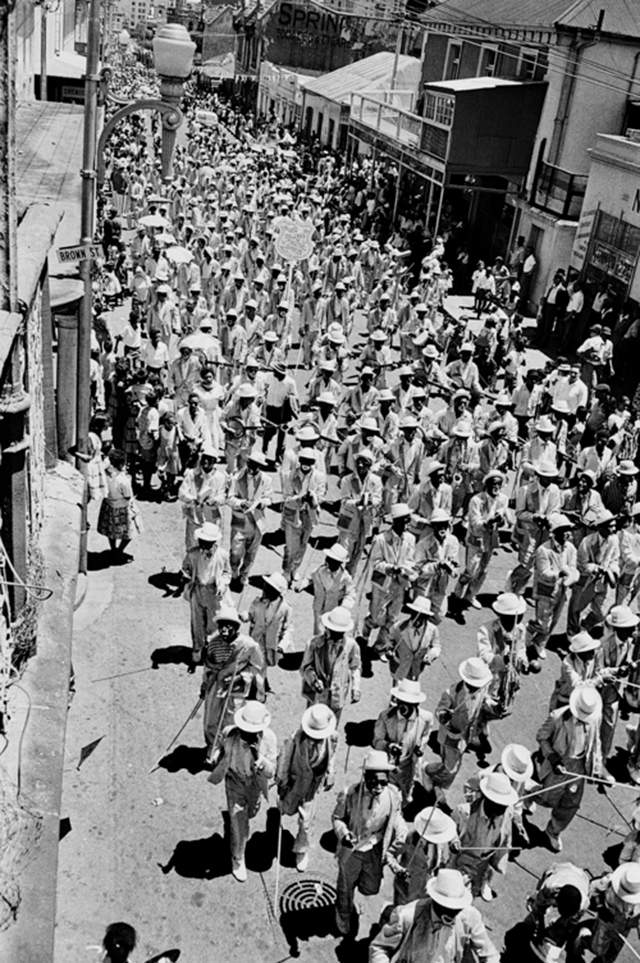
[(599, 568), (615, 899), (118, 508), (425, 851), (331, 585), (306, 764), (534, 506), (485, 831), (392, 565), (331, 665), (569, 744), (444, 923), (402, 731), (582, 664), (246, 760), (270, 618), (368, 824), (249, 496), (414, 641), (458, 713)]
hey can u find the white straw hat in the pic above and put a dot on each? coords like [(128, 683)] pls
[(318, 722), (447, 888), (252, 717), (475, 672), (516, 762), (434, 826)]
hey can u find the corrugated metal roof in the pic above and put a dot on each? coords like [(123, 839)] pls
[(621, 17), (371, 73), (506, 14)]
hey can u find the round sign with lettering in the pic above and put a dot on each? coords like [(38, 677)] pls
[(293, 240)]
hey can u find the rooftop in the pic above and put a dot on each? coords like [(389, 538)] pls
[(473, 83), (365, 75), (621, 17)]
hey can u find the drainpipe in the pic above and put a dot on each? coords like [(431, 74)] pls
[(566, 95)]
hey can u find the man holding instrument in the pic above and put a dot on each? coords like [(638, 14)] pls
[(249, 497)]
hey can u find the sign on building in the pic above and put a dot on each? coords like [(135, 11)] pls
[(78, 252)]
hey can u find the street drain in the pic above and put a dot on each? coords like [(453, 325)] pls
[(307, 909), (307, 894)]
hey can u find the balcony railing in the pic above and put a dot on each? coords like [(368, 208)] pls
[(559, 191), (401, 125)]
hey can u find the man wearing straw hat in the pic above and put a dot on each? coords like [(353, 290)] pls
[(615, 898), (249, 497), (360, 501), (246, 760), (501, 644), (516, 763), (202, 494), (425, 851), (402, 731), (555, 570), (437, 562), (487, 511), (305, 765), (368, 823), (331, 665), (303, 489), (270, 617), (205, 580), (617, 652), (442, 927), (331, 585), (458, 712), (234, 669), (599, 568), (392, 562), (485, 831), (570, 750), (535, 504), (415, 641)]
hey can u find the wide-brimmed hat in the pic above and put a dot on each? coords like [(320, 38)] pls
[(408, 421), (492, 475), (497, 787), (257, 457), (208, 532), (208, 451), (399, 510), (364, 454), (318, 722), (585, 703), (434, 466), (408, 690), (378, 335), (328, 364), (462, 430), (516, 762), (625, 882), (544, 424), (475, 672), (308, 454), (420, 604), (376, 760), (252, 717), (430, 352), (508, 603), (545, 469), (246, 390), (621, 617), (307, 433), (627, 467), (467, 346), (338, 620), (337, 552), (367, 423), (385, 394), (227, 613), (583, 642), (447, 888), (434, 826), (327, 398), (277, 581), (557, 521), (604, 517)]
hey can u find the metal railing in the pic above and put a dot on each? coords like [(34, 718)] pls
[(401, 125)]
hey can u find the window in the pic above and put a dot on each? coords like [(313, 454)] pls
[(527, 64), (487, 62), (452, 68)]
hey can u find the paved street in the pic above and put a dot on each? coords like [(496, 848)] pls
[(148, 847)]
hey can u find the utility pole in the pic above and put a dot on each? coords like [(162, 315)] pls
[(396, 60), (44, 15), (83, 397)]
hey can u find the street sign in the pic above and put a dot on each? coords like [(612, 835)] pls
[(78, 252)]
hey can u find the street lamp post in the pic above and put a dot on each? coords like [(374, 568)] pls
[(173, 52)]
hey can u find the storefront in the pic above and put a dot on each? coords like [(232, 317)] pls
[(607, 244)]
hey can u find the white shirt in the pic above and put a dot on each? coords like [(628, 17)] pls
[(156, 356)]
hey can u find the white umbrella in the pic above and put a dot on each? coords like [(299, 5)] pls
[(197, 341), (154, 220), (179, 255)]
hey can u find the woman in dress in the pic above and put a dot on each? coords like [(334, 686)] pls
[(117, 512), (210, 392)]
